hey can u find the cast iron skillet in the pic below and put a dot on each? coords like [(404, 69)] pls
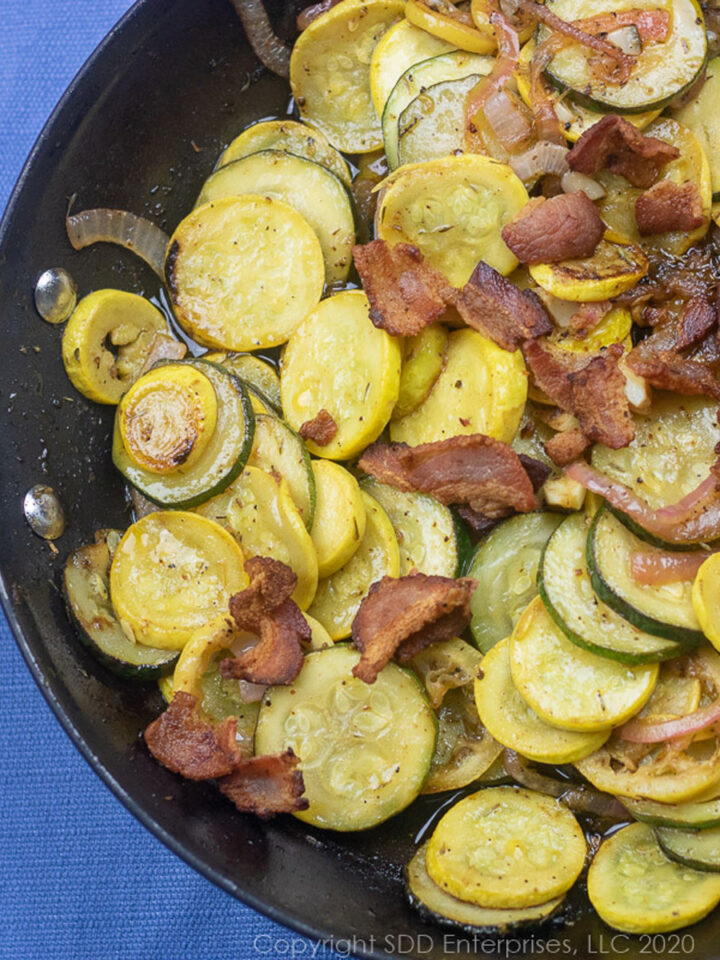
[(139, 129)]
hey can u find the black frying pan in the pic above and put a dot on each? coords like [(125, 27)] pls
[(171, 85)]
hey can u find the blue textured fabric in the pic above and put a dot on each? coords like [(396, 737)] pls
[(69, 889)]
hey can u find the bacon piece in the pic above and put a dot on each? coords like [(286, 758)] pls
[(551, 368), (669, 206), (671, 371), (654, 567), (535, 469), (599, 401), (697, 320), (400, 617), (189, 746), (405, 293), (494, 306), (484, 473), (266, 785), (478, 522), (565, 227), (588, 316), (567, 446), (322, 428), (265, 608), (613, 143)]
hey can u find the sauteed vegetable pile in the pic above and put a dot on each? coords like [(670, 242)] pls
[(432, 501)]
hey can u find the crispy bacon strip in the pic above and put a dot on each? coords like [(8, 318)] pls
[(400, 617), (697, 320), (653, 567), (266, 785), (567, 446), (588, 316), (551, 368), (265, 608), (322, 428), (671, 371), (405, 293), (565, 227), (613, 143), (189, 746), (599, 401), (499, 310), (669, 206), (484, 473)]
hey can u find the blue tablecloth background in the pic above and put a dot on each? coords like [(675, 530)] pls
[(80, 879)]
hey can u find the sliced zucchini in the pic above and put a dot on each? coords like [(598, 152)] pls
[(453, 210), (416, 79), (107, 341), (567, 592), (255, 372), (505, 565), (635, 888), (701, 116), (423, 361), (446, 666), (364, 749), (452, 25), (198, 673), (659, 74), (693, 815), (506, 847), (242, 272), (699, 849), (431, 539), (359, 389), (225, 451), (339, 523), (329, 73), (338, 597), (611, 270), (86, 585), (292, 137), (321, 198), (171, 574), (278, 449), (482, 389), (665, 610), (570, 687), (433, 124), (259, 512), (617, 207), (436, 905), (401, 48), (512, 722)]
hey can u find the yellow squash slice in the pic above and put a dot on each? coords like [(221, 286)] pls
[(611, 270), (339, 521), (172, 573), (243, 272), (706, 599), (400, 48), (423, 360), (330, 71), (338, 361), (457, 28)]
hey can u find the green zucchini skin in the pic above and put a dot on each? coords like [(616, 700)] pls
[(698, 815), (684, 636), (162, 490), (278, 447), (86, 590), (699, 849)]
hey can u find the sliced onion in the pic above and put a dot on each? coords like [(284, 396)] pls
[(579, 797), (651, 567), (251, 692), (498, 78), (644, 731), (127, 230), (306, 16), (267, 46), (684, 508), (573, 181), (508, 118), (627, 39), (544, 100), (543, 158), (702, 524)]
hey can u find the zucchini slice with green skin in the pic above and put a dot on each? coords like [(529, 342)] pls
[(86, 585), (313, 190), (277, 447), (364, 749), (505, 565), (699, 849), (433, 124), (701, 115), (692, 815), (567, 591), (221, 461), (255, 372), (431, 538), (401, 47), (416, 79), (664, 610), (660, 73), (636, 889), (436, 905)]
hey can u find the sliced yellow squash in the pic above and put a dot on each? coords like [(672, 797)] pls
[(506, 847), (242, 272), (453, 210), (482, 389), (613, 328), (338, 361), (423, 360), (339, 522), (172, 573), (455, 28), (706, 599), (400, 48), (612, 269), (330, 75), (338, 597)]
